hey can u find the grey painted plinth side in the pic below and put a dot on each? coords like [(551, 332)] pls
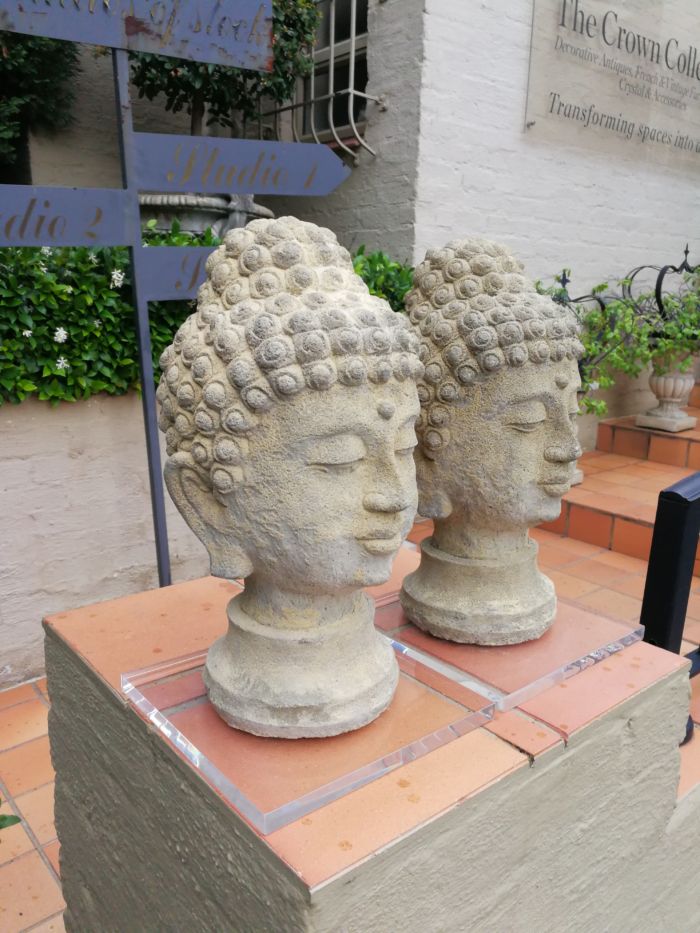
[(146, 845), (589, 838)]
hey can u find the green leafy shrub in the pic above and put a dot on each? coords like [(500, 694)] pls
[(626, 336), (67, 328), (67, 325), (384, 277), (231, 95)]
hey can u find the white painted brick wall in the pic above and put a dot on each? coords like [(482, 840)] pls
[(554, 205), (376, 205), (76, 517)]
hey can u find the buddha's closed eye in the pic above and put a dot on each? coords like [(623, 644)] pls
[(525, 427)]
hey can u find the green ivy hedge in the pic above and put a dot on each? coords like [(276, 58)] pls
[(67, 320), (67, 324)]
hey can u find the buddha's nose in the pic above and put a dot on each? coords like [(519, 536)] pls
[(394, 500), (563, 453)]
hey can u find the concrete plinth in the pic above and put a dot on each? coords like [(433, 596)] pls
[(682, 422), (560, 815)]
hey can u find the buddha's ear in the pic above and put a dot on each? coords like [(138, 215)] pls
[(208, 516), (433, 501)]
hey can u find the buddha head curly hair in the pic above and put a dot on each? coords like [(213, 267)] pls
[(281, 312), (476, 313)]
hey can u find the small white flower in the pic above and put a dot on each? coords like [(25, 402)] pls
[(60, 335), (26, 333), (45, 250), (594, 386), (117, 279), (97, 322), (92, 258), (69, 289), (61, 363), (42, 268)]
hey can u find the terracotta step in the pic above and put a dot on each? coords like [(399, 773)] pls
[(615, 506), (621, 436)]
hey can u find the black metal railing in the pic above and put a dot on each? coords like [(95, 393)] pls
[(670, 573)]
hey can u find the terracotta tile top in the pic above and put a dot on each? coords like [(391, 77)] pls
[(130, 632), (54, 925), (26, 767), (272, 772), (133, 631), (28, 893), (390, 618), (406, 562), (578, 701), (349, 830), (524, 733), (509, 668)]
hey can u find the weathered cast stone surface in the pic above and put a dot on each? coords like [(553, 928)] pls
[(288, 401), (497, 442)]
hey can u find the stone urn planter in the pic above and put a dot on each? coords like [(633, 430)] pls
[(196, 213), (672, 389)]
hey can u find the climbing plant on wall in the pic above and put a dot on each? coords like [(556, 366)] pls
[(229, 95), (36, 93)]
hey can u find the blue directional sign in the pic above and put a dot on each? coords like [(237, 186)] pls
[(214, 165), (172, 272), (32, 216), (237, 33)]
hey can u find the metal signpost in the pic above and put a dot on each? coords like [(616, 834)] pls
[(236, 33)]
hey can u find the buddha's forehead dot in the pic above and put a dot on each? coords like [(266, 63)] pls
[(561, 381), (386, 410)]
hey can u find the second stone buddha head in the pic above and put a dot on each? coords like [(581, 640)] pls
[(289, 402), (497, 437)]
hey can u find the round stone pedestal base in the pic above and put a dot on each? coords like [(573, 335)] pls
[(301, 683), (480, 602)]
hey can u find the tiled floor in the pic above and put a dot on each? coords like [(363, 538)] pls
[(615, 507), (586, 575), (30, 891)]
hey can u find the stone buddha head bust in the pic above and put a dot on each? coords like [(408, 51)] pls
[(497, 441), (288, 401)]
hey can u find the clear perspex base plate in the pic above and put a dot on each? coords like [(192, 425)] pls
[(445, 690), (272, 782), (509, 675)]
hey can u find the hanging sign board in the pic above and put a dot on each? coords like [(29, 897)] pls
[(236, 33), (619, 75), (172, 272), (33, 216), (214, 165)]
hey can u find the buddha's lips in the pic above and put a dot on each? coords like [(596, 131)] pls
[(557, 487), (381, 544)]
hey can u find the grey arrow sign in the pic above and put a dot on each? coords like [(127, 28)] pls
[(211, 165), (171, 272), (33, 216), (237, 33)]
